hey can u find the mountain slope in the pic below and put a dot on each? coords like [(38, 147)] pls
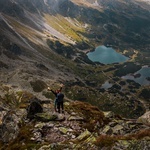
[(45, 43), (82, 126)]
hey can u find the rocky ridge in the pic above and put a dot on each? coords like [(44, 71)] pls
[(82, 126)]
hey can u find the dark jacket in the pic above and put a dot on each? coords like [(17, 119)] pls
[(55, 93), (60, 97)]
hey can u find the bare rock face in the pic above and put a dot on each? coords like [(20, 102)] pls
[(145, 118)]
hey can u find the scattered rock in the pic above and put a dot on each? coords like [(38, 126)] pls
[(63, 130), (109, 114), (68, 131)]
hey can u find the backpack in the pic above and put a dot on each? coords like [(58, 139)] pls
[(60, 97), (33, 108)]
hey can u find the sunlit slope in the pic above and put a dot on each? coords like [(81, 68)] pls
[(55, 27), (69, 27)]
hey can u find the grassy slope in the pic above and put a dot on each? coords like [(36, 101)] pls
[(67, 26)]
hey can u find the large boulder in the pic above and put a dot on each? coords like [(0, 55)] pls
[(145, 118), (34, 108)]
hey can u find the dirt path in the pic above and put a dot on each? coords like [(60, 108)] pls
[(134, 55)]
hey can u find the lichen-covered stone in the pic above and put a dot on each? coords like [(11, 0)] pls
[(63, 130), (107, 130), (46, 117), (75, 118), (117, 129), (109, 114), (84, 135)]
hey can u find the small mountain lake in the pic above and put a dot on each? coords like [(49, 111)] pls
[(142, 76), (106, 55), (106, 85)]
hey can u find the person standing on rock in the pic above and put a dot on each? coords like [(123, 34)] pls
[(60, 102), (55, 93)]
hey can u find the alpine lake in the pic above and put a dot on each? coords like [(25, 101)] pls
[(107, 55)]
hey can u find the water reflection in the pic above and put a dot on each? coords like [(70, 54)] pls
[(106, 55), (140, 76), (106, 85)]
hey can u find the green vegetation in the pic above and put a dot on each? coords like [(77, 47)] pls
[(143, 57), (17, 99), (79, 92), (26, 31), (126, 68), (67, 26), (145, 93), (61, 49), (122, 106)]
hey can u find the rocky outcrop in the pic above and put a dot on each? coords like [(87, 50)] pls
[(34, 108)]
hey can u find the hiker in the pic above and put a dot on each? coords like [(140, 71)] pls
[(60, 102), (55, 93)]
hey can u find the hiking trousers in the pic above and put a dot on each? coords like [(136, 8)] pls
[(60, 105)]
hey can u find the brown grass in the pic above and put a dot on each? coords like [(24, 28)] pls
[(139, 135), (108, 141), (91, 114)]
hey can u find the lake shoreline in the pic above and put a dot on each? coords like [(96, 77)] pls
[(106, 55)]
